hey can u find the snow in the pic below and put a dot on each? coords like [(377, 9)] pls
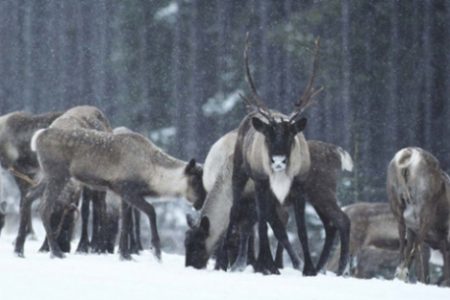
[(106, 277)]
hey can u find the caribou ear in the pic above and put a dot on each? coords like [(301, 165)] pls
[(259, 125), (299, 125), (190, 167), (204, 223), (190, 221)]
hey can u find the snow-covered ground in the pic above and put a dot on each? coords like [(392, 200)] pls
[(106, 277)]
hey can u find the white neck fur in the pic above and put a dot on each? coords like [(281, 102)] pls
[(280, 184), (170, 182)]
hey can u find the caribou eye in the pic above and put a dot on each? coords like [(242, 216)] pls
[(284, 160)]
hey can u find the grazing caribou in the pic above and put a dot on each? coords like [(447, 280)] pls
[(419, 194), (128, 164), (373, 240), (205, 235), (16, 130)]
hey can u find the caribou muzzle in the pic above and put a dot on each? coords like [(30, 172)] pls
[(278, 163)]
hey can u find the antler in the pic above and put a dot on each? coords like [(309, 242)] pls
[(254, 100), (310, 92)]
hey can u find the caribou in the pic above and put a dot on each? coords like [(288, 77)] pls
[(419, 194), (272, 151), (87, 117), (16, 130), (128, 164), (206, 235), (374, 240)]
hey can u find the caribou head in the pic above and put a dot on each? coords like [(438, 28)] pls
[(195, 192), (195, 243), (279, 131)]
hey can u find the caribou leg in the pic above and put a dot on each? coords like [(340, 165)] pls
[(333, 213), (423, 258), (284, 216), (251, 259), (51, 194), (237, 214), (280, 233), (402, 271), (98, 242), (221, 256), (330, 234), (246, 220), (131, 233), (140, 203), (24, 187), (137, 229), (25, 219), (83, 244), (124, 248), (279, 256), (299, 208), (264, 263)]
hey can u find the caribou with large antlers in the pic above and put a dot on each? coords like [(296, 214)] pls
[(419, 193), (272, 151), (319, 188)]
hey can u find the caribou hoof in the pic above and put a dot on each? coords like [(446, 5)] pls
[(266, 268), (125, 257), (402, 274), (83, 247), (309, 271), (57, 254), (239, 266), (19, 254), (157, 253)]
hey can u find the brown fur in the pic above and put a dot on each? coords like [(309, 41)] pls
[(16, 130), (126, 163), (77, 117), (373, 232)]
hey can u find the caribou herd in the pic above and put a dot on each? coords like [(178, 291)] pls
[(252, 176)]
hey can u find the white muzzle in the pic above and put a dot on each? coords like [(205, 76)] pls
[(278, 163)]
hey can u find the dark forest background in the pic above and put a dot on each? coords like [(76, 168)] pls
[(172, 69)]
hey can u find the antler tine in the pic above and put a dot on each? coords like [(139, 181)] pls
[(254, 100), (310, 92)]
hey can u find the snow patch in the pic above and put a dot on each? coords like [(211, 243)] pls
[(107, 277)]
